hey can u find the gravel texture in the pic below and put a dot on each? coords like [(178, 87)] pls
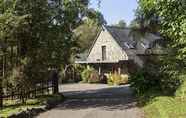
[(95, 101)]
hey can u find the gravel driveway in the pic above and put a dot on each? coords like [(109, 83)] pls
[(95, 101)]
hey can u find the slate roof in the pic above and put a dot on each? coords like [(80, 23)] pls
[(122, 36)]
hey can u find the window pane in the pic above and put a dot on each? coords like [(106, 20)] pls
[(104, 53)]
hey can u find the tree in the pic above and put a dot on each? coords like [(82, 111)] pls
[(9, 23), (173, 28), (144, 23), (43, 32), (86, 34), (89, 29), (172, 17)]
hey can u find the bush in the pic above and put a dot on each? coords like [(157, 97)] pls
[(71, 74), (164, 74), (154, 76), (78, 70), (138, 83), (170, 80), (145, 79), (117, 79), (181, 91), (90, 75), (142, 81), (85, 75), (94, 77)]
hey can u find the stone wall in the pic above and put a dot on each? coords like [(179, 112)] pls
[(114, 53)]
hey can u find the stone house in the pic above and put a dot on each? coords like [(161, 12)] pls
[(114, 49)]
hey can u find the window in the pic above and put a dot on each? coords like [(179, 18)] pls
[(129, 46), (104, 56)]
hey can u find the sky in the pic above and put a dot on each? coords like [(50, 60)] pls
[(116, 10)]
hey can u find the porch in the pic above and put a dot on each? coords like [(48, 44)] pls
[(105, 67)]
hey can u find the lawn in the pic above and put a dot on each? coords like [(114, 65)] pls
[(167, 106), (12, 107)]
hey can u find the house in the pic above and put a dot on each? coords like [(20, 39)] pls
[(114, 49)]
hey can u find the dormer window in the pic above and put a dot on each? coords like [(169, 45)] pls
[(129, 46)]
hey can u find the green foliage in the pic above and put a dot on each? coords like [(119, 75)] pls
[(12, 106), (78, 70), (86, 74), (117, 79), (171, 16), (90, 75), (138, 83), (165, 107), (42, 35), (94, 77), (87, 33), (181, 91), (141, 82), (71, 74), (158, 105), (149, 77), (17, 82), (144, 23), (171, 27), (89, 29)]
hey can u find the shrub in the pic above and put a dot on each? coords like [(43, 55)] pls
[(78, 70), (86, 74), (71, 74), (94, 77), (142, 81), (125, 78), (162, 74), (117, 79), (89, 75), (170, 80), (138, 82), (181, 91), (154, 76)]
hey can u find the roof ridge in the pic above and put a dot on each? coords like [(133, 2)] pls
[(110, 26)]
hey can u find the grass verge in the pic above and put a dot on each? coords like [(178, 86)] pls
[(156, 105), (165, 107), (13, 107)]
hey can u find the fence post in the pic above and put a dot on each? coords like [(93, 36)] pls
[(1, 94), (48, 88), (1, 81), (55, 83)]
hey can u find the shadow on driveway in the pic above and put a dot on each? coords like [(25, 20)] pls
[(109, 99)]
